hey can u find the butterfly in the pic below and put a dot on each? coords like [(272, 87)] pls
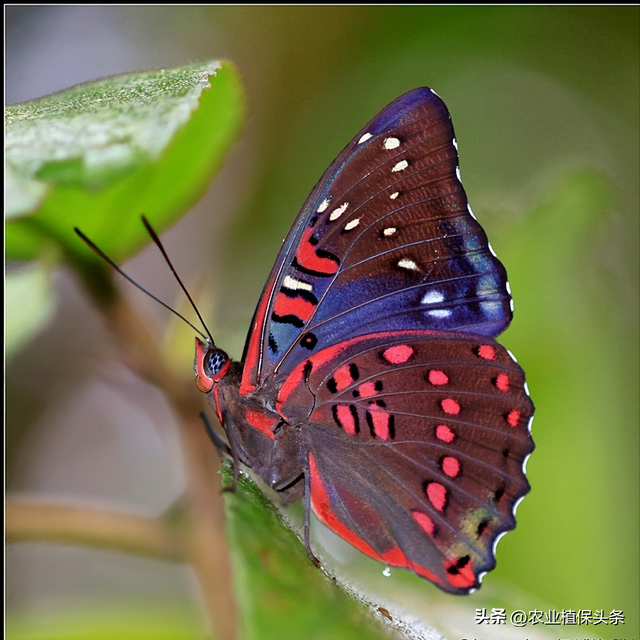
[(371, 385)]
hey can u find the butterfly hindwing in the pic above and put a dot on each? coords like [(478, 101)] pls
[(417, 444), (385, 241)]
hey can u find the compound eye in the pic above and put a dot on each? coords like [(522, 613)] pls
[(211, 365), (216, 363)]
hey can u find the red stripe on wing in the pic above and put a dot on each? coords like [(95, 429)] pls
[(308, 258), (253, 355), (299, 307)]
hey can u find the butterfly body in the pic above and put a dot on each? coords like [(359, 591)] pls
[(371, 384)]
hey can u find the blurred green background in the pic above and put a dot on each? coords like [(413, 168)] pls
[(544, 101)]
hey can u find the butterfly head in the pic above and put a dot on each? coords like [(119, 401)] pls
[(211, 365)]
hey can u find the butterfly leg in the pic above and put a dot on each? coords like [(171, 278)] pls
[(307, 519), (223, 450), (221, 446), (236, 471)]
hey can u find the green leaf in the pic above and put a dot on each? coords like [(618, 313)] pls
[(30, 297), (99, 155), (281, 594)]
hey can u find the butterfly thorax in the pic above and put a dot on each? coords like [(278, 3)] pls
[(258, 435)]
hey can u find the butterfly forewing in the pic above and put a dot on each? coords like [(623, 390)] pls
[(385, 241), (417, 444)]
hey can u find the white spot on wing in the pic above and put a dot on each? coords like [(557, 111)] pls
[(389, 231), (493, 253), (458, 174), (431, 297), (403, 164), (486, 286), (339, 211), (439, 313), (516, 504), (364, 138), (498, 538), (529, 427), (491, 307), (405, 263), (352, 224), (435, 297), (391, 143), (323, 206), (394, 195), (455, 143), (296, 285), (471, 212)]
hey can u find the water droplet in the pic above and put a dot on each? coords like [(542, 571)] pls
[(386, 572)]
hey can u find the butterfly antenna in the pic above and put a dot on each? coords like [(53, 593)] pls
[(155, 238)]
